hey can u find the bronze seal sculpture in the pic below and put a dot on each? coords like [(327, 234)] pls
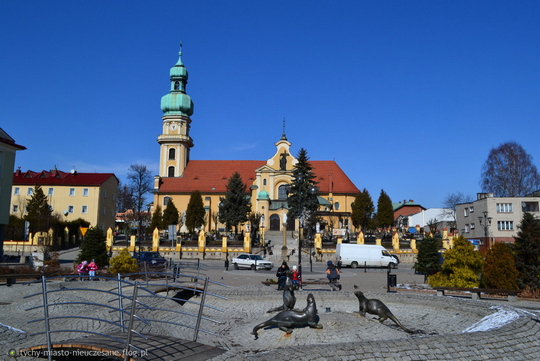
[(289, 300), (377, 307), (288, 319)]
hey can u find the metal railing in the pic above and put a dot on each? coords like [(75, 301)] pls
[(130, 312)]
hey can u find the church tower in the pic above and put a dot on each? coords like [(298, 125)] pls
[(177, 108)]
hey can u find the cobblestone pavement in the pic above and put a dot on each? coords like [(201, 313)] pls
[(454, 328)]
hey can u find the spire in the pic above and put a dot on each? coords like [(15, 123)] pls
[(283, 137), (179, 62)]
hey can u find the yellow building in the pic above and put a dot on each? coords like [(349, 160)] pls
[(267, 180), (90, 196)]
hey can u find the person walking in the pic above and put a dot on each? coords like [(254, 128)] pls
[(92, 268), (332, 273), (281, 275), (82, 268), (226, 263)]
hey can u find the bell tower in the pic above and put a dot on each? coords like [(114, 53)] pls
[(175, 142)]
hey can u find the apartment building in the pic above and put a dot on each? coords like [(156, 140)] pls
[(73, 195), (492, 219)]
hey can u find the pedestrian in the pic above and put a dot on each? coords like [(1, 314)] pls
[(82, 268), (282, 275), (332, 273), (227, 263), (295, 278), (92, 268)]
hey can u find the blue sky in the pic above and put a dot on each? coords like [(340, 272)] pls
[(406, 96)]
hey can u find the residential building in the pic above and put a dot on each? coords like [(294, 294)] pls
[(492, 219), (267, 180), (442, 216), (8, 147), (73, 195)]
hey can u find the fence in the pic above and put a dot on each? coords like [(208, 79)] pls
[(128, 305)]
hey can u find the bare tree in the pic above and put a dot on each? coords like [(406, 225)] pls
[(509, 172), (140, 180), (449, 203)]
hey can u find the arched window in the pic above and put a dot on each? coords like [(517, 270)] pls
[(282, 191), (172, 153), (171, 171), (264, 181), (166, 201)]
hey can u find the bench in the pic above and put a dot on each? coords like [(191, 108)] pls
[(512, 295)]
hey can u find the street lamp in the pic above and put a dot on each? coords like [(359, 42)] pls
[(486, 224)]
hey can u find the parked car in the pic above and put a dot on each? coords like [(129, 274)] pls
[(153, 259), (251, 261)]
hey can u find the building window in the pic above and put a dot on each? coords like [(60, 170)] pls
[(467, 228), (166, 201), (29, 191), (171, 172), (70, 209), (51, 191), (264, 181), (505, 225), (466, 212), (529, 206), (282, 191), (113, 196), (504, 208), (472, 209), (15, 209), (72, 192), (85, 192), (105, 194), (472, 225), (84, 209), (104, 211), (16, 191), (172, 154), (336, 206)]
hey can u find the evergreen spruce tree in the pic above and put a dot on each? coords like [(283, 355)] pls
[(302, 199), (385, 210), (527, 252), (427, 261), (195, 212), (499, 270), (362, 210), (461, 267), (94, 247), (235, 206), (170, 215), (157, 220), (39, 212)]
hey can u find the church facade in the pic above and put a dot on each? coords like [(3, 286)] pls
[(267, 180)]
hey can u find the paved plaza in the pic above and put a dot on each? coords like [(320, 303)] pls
[(457, 328)]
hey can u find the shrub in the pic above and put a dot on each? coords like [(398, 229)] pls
[(123, 263), (499, 268), (461, 268)]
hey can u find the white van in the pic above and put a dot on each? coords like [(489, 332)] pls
[(364, 255)]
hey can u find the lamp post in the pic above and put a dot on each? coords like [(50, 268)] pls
[(300, 215), (486, 224)]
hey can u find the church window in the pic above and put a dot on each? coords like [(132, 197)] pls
[(172, 153), (282, 191), (166, 201), (171, 171), (176, 85), (264, 181), (336, 206)]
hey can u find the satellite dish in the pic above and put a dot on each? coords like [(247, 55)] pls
[(65, 212), (73, 171)]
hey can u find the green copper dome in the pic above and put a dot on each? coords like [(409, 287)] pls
[(263, 195), (177, 102)]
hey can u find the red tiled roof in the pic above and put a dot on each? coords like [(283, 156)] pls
[(56, 177), (212, 176)]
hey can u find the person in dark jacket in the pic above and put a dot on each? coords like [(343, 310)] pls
[(332, 273), (281, 275)]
